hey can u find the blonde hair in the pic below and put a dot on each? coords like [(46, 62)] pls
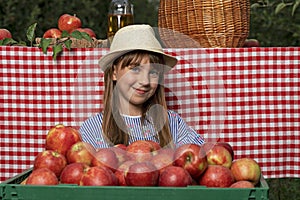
[(113, 125)]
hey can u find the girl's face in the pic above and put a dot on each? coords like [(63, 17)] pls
[(136, 83)]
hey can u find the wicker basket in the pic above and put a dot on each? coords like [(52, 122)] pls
[(203, 23)]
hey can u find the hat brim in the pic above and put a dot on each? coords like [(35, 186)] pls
[(107, 60)]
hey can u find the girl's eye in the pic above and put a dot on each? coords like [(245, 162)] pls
[(134, 68), (154, 73)]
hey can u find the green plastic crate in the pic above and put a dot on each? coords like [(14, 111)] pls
[(11, 189)]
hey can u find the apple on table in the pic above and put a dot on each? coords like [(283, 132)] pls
[(67, 22), (52, 33), (89, 31), (5, 33), (250, 42)]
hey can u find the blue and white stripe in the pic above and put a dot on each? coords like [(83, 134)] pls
[(91, 131)]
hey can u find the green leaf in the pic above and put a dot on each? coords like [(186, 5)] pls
[(77, 35), (65, 34), (57, 49), (7, 41), (45, 44), (68, 44), (295, 6), (31, 33), (279, 7), (86, 36)]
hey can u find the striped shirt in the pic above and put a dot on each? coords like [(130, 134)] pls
[(91, 130)]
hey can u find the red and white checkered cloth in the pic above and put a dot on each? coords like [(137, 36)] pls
[(249, 97)]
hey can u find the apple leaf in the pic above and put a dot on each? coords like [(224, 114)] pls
[(57, 49), (7, 41), (68, 44), (45, 44), (31, 33), (81, 35), (65, 34), (86, 36), (77, 34)]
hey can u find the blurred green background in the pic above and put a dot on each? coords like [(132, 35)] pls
[(274, 23)]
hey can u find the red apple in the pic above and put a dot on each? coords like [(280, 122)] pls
[(120, 153), (42, 176), (107, 158), (72, 173), (4, 33), (246, 169), (89, 31), (174, 176), (251, 43), (80, 152), (122, 170), (242, 184), (228, 147), (60, 138), (141, 150), (69, 23), (98, 176), (217, 155), (52, 160), (217, 176), (163, 159), (156, 146), (192, 158), (52, 33), (142, 174)]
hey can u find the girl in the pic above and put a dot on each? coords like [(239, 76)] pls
[(134, 100)]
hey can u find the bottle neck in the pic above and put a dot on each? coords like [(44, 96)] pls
[(119, 7)]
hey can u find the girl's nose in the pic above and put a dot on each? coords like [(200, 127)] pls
[(144, 78)]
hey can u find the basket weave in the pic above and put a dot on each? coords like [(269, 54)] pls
[(76, 43), (204, 23)]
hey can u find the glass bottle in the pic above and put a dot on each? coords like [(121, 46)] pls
[(120, 14)]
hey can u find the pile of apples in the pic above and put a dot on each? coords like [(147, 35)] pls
[(66, 159), (68, 23)]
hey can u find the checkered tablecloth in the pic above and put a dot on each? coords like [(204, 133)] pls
[(249, 97)]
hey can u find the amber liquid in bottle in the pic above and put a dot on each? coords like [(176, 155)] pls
[(117, 21)]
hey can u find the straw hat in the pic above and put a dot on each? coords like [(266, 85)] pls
[(134, 37)]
